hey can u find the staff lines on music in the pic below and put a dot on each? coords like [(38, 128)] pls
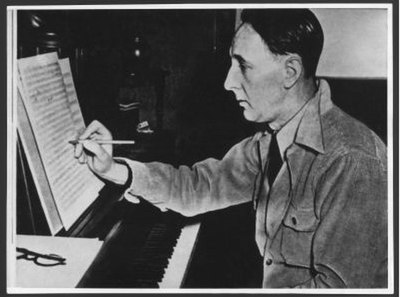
[(72, 187), (41, 81), (51, 104), (45, 95), (48, 70), (50, 112), (56, 125)]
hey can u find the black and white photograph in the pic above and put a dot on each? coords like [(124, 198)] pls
[(201, 148)]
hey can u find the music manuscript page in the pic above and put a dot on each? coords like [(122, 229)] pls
[(72, 98), (55, 118)]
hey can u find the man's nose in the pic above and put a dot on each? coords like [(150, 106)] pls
[(229, 83)]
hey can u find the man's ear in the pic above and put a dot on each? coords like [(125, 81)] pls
[(293, 70)]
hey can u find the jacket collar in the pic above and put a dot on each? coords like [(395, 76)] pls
[(309, 132)]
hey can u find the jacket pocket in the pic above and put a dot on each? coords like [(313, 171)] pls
[(298, 230)]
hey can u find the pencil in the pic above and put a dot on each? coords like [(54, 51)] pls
[(105, 141)]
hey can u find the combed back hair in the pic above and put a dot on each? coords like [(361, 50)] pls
[(286, 31)]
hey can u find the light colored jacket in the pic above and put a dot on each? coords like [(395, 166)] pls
[(323, 223)]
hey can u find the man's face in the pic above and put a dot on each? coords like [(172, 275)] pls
[(255, 76)]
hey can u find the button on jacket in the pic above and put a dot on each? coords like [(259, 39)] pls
[(323, 223)]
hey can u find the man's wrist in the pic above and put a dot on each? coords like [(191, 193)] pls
[(120, 174)]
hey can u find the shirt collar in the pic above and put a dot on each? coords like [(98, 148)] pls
[(286, 135), (305, 128), (309, 131)]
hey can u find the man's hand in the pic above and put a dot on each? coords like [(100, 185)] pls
[(99, 157)]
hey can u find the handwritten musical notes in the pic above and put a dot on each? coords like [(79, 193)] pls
[(55, 118), (73, 102), (37, 169)]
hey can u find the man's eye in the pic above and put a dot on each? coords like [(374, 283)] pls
[(242, 67)]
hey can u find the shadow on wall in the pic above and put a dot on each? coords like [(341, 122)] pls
[(209, 118)]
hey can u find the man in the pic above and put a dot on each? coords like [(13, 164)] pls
[(316, 176)]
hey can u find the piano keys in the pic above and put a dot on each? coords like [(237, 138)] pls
[(179, 263), (145, 249)]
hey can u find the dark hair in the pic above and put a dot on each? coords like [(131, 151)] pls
[(289, 31)]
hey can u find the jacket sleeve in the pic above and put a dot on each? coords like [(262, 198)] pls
[(208, 185), (350, 245)]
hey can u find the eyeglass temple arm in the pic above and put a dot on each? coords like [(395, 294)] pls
[(50, 257)]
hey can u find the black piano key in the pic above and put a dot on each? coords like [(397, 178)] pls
[(140, 253)]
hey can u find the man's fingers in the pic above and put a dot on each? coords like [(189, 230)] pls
[(82, 159), (78, 150), (90, 162), (95, 149), (95, 131), (95, 127)]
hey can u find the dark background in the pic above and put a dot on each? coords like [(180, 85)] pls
[(188, 49)]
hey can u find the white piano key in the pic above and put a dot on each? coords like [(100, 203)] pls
[(175, 273)]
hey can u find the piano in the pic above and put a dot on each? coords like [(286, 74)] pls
[(142, 246)]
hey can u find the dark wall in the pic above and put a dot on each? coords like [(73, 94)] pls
[(98, 41), (191, 46), (364, 99)]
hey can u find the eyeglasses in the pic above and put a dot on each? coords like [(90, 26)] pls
[(40, 259)]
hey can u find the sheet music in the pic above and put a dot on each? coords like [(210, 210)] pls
[(73, 102), (37, 169), (74, 187)]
